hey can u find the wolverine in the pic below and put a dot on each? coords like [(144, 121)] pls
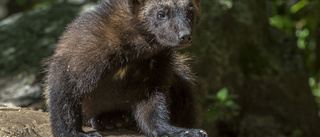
[(122, 59)]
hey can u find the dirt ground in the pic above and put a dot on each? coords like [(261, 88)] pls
[(23, 122)]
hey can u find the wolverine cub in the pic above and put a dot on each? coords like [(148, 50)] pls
[(119, 59)]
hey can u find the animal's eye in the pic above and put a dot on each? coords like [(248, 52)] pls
[(162, 15)]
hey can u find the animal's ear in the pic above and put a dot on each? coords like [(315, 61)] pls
[(136, 4)]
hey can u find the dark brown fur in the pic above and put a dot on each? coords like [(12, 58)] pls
[(121, 59)]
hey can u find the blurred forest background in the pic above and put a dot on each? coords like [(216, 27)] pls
[(257, 61)]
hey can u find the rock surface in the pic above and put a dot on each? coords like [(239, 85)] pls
[(21, 90), (17, 122)]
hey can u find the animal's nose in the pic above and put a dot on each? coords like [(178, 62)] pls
[(185, 37)]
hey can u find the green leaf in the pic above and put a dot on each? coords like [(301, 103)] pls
[(305, 33), (312, 82), (301, 43), (295, 8), (222, 94), (316, 92), (280, 22), (231, 104)]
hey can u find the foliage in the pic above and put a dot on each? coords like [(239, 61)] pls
[(25, 43), (315, 87), (23, 5), (222, 106), (302, 21)]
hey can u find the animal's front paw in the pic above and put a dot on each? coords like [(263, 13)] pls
[(188, 133)]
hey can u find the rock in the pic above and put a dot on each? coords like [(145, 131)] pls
[(17, 121), (21, 90)]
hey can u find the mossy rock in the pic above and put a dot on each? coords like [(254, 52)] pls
[(28, 38)]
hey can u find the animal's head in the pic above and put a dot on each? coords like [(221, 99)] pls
[(171, 22)]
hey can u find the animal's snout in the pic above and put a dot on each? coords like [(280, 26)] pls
[(185, 37)]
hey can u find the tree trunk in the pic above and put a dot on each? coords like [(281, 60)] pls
[(261, 65)]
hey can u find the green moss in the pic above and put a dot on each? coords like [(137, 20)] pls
[(30, 39)]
